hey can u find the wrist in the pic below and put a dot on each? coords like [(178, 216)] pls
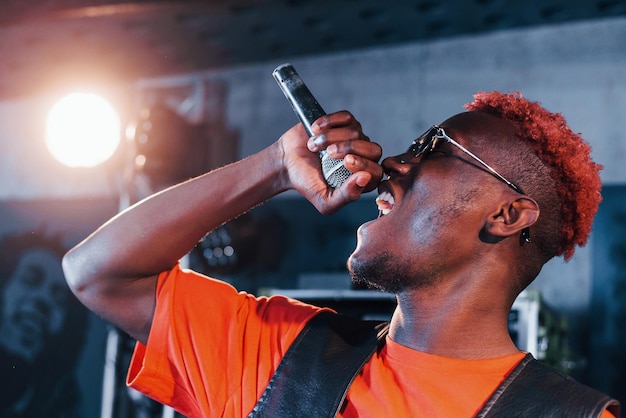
[(280, 173)]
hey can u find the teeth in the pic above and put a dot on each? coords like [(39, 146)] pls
[(385, 202)]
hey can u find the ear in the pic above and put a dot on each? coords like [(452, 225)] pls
[(510, 218)]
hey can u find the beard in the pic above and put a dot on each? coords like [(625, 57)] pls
[(384, 272), (380, 272)]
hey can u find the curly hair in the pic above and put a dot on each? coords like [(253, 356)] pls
[(565, 153)]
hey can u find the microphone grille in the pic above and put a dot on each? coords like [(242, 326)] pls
[(334, 171)]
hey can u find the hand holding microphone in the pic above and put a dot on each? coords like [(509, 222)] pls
[(308, 110)]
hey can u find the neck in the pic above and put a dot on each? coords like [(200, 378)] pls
[(454, 321)]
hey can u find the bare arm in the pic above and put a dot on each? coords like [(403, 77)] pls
[(113, 272)]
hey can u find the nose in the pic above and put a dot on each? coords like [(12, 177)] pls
[(397, 165)]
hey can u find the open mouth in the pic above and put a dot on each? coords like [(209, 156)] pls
[(385, 202)]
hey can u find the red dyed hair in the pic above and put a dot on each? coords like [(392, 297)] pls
[(576, 176)]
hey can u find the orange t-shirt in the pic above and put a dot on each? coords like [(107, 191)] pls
[(212, 351), (402, 382)]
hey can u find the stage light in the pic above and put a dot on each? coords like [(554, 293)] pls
[(82, 130)]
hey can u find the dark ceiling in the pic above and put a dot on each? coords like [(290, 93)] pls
[(44, 43)]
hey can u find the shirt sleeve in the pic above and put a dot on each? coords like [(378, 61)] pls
[(607, 414), (212, 350)]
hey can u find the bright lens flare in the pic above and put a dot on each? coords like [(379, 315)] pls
[(82, 130)]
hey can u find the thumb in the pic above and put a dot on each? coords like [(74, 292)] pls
[(354, 186)]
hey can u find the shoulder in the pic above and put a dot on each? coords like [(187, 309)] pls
[(535, 389)]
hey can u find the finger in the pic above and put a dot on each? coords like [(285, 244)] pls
[(357, 164), (345, 133), (350, 134), (336, 198), (334, 120), (370, 150), (353, 187)]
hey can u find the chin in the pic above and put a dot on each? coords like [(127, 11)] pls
[(379, 272)]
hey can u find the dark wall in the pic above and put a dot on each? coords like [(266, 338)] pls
[(282, 240), (607, 321), (72, 360)]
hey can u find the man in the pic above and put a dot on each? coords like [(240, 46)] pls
[(470, 213)]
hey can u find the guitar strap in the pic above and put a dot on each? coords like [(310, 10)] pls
[(313, 378)]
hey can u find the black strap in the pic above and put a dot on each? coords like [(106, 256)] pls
[(534, 389), (313, 377), (317, 370)]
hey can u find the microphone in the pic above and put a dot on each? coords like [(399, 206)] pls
[(308, 110)]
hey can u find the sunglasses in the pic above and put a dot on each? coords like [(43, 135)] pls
[(429, 140)]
